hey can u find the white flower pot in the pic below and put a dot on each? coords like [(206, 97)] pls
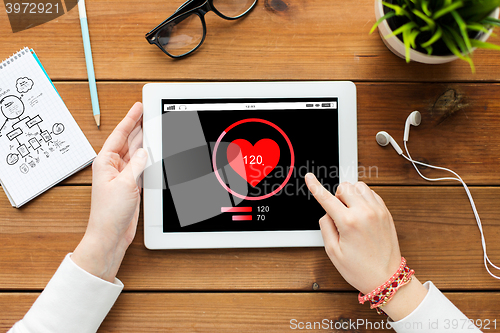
[(398, 48)]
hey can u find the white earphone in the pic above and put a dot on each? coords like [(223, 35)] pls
[(383, 138)]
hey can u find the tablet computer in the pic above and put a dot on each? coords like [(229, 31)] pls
[(227, 161)]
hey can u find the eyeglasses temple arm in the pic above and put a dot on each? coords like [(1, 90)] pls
[(184, 5)]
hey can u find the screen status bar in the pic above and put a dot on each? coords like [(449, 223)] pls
[(250, 106)]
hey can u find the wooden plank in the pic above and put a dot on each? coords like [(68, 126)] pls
[(459, 127), (458, 131), (243, 312), (292, 40), (436, 228)]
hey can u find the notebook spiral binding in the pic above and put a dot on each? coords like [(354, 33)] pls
[(14, 57)]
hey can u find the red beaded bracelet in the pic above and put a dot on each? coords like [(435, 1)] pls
[(384, 293)]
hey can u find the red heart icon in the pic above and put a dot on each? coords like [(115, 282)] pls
[(253, 163)]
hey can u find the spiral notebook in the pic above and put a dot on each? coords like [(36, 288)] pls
[(40, 142)]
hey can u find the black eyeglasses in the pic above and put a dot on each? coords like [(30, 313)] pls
[(185, 31)]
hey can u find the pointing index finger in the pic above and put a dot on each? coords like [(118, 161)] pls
[(331, 204)]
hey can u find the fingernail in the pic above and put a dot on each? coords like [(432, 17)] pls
[(310, 177)]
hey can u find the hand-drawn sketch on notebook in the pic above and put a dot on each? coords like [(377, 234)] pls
[(27, 132)]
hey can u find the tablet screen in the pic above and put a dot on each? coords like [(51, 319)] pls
[(239, 165)]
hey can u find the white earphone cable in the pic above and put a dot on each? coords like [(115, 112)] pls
[(473, 205)]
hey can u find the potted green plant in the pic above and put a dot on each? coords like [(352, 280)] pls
[(436, 31)]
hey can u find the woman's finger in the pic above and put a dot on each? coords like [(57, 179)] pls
[(365, 192), (330, 235), (119, 136), (134, 143), (328, 201), (126, 147), (348, 194), (135, 167)]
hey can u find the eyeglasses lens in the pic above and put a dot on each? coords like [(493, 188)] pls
[(182, 35), (233, 8)]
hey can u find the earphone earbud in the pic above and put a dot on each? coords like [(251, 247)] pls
[(383, 138), (413, 119)]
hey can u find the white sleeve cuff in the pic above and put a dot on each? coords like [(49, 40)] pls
[(73, 301), (436, 313)]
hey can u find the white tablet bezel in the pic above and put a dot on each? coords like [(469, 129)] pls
[(155, 238)]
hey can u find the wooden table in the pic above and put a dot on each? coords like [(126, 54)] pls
[(250, 290)]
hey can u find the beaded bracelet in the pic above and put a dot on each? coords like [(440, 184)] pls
[(383, 294)]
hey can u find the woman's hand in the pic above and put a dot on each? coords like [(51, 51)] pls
[(116, 189), (360, 239), (359, 234)]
